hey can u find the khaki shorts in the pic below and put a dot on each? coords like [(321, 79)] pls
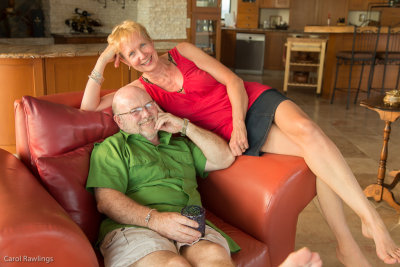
[(125, 246)]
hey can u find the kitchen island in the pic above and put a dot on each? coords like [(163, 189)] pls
[(38, 70), (340, 38)]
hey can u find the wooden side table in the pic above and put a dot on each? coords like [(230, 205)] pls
[(380, 190)]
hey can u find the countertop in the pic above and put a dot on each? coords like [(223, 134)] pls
[(335, 29), (261, 30), (62, 50)]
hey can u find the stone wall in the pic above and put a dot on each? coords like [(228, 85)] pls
[(164, 19)]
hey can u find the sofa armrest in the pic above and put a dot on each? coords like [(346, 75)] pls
[(262, 196), (33, 224)]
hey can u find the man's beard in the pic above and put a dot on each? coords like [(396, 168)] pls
[(143, 132)]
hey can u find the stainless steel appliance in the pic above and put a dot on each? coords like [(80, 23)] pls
[(249, 53)]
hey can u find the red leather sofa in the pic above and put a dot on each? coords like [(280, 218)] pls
[(46, 215)]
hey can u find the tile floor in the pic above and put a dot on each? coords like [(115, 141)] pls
[(358, 133)]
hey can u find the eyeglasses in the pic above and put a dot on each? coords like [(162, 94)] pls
[(138, 110)]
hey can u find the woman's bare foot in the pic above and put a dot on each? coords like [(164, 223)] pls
[(302, 258), (352, 257), (386, 249)]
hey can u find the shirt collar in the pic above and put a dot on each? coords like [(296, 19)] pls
[(163, 136)]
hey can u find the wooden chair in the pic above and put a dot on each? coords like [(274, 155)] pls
[(365, 41)]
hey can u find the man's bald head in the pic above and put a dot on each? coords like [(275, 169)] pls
[(128, 95)]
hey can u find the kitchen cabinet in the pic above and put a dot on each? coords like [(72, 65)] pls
[(43, 76), (247, 14), (334, 8), (228, 46), (19, 77), (206, 26), (66, 74), (362, 5), (274, 3), (274, 50), (315, 12)]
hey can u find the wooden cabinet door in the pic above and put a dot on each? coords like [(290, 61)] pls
[(302, 13), (67, 74), (247, 15), (358, 4), (363, 5), (228, 46), (282, 3), (274, 3), (206, 6), (267, 3), (19, 77), (206, 33), (274, 50), (335, 8), (315, 12)]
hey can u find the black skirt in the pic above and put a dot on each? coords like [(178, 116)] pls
[(259, 119)]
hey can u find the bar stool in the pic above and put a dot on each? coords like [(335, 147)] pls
[(391, 56), (363, 52)]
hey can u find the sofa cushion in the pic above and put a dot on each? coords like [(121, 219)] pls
[(54, 129), (65, 177)]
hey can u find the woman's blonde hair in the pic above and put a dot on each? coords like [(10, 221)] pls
[(123, 30)]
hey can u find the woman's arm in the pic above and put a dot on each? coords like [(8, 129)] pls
[(235, 90), (91, 98)]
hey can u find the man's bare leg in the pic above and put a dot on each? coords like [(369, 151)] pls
[(205, 253), (162, 258)]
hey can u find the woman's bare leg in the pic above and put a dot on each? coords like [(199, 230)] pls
[(348, 250), (327, 163), (302, 258)]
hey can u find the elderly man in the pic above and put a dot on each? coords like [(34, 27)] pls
[(143, 176)]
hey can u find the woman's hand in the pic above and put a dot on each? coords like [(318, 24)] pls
[(109, 55), (238, 142), (174, 226)]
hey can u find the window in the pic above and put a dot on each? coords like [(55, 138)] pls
[(225, 7)]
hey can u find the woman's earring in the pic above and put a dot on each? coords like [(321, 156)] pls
[(129, 67)]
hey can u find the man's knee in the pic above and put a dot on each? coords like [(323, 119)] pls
[(177, 261), (214, 252)]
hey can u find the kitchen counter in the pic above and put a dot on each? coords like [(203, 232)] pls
[(340, 38), (261, 30), (335, 29), (63, 50)]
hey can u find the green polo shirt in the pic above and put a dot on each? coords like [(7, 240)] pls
[(161, 177)]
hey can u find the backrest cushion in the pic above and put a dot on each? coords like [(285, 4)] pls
[(54, 129), (60, 140), (65, 177)]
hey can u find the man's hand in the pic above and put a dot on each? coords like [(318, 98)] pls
[(169, 123), (174, 226), (238, 143)]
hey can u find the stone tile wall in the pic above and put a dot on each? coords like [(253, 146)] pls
[(164, 19)]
